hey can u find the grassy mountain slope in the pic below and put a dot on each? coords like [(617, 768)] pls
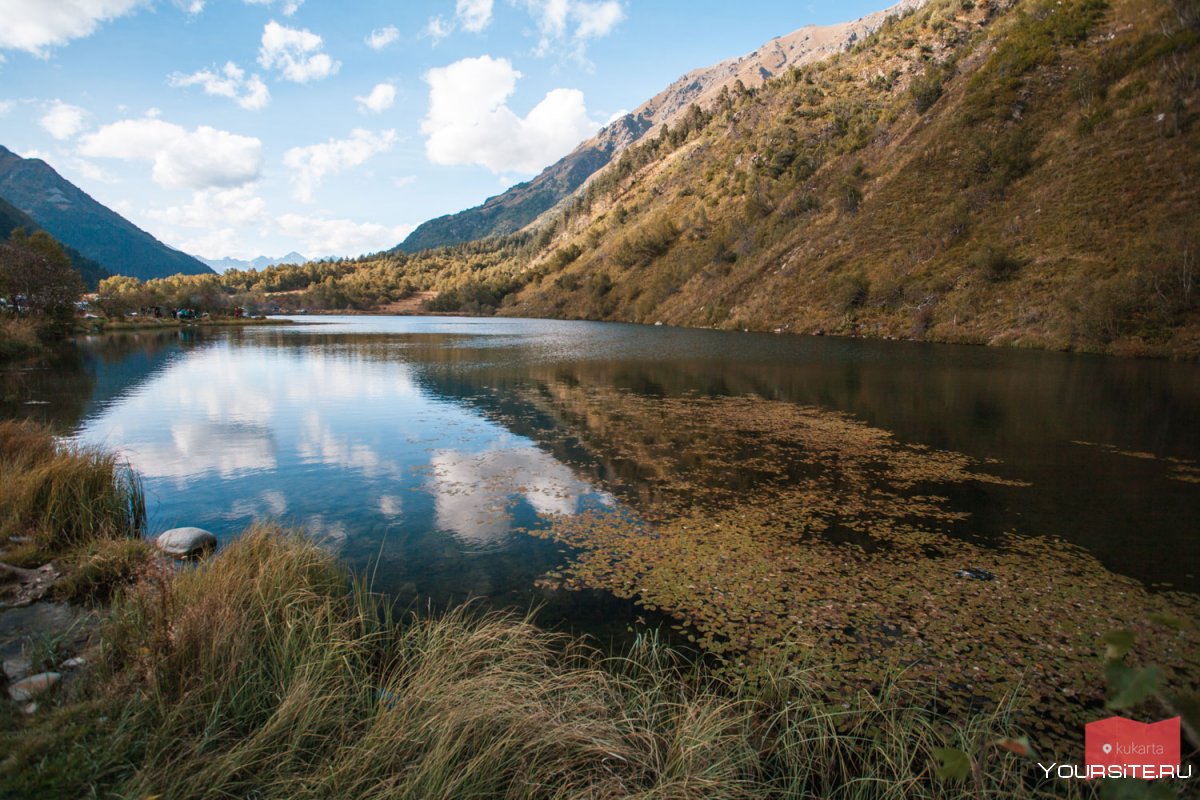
[(12, 218), (1019, 174), (75, 219), (522, 204)]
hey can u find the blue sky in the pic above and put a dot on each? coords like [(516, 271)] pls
[(255, 127)]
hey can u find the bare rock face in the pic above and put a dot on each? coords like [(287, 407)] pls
[(186, 542)]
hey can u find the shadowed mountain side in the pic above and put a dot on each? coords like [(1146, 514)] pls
[(73, 217), (12, 218)]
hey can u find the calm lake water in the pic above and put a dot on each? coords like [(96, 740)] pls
[(424, 448)]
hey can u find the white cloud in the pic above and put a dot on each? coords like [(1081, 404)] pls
[(62, 120), (6, 106), (573, 22), (311, 164), (597, 20), (288, 7), (295, 53), (231, 81), (37, 25), (469, 123), (438, 29), (379, 100), (91, 171), (192, 7), (382, 37), (35, 153), (340, 237), (404, 180), (210, 208), (474, 15), (221, 243), (201, 158)]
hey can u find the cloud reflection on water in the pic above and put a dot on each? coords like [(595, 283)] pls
[(473, 492)]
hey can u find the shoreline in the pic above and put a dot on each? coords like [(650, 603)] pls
[(161, 324)]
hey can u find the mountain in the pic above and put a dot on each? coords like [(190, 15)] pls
[(12, 218), (1019, 172), (1011, 172), (522, 204), (68, 214), (262, 262)]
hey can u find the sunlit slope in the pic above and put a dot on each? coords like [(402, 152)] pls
[(1023, 174), (522, 204)]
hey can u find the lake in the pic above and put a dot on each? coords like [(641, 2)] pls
[(747, 488)]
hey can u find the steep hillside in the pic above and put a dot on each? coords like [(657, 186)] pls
[(1019, 174), (75, 219), (522, 204), (12, 217)]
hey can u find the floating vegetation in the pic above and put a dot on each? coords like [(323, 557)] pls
[(1182, 469), (776, 531)]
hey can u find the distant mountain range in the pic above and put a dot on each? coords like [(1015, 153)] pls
[(12, 218), (524, 203), (70, 215), (262, 262)]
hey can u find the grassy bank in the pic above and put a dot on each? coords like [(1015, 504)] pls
[(149, 323), (269, 672)]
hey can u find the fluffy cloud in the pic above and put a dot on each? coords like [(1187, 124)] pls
[(221, 243), (469, 122), (382, 37), (438, 29), (597, 20), (574, 22), (379, 100), (201, 158), (37, 25), (288, 7), (231, 81), (5, 107), (296, 53), (340, 237), (63, 121), (311, 164), (210, 208), (474, 15)]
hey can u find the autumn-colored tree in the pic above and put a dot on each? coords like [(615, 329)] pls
[(36, 277)]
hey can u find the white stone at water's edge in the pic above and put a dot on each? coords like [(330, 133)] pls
[(183, 542)]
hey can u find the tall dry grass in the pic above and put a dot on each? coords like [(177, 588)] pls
[(62, 497), (266, 673)]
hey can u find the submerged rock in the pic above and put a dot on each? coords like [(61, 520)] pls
[(25, 690), (186, 542), (975, 574)]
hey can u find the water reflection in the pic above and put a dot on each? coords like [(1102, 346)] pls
[(195, 449), (428, 443), (474, 492)]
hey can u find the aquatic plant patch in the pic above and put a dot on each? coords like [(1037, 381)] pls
[(777, 531)]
